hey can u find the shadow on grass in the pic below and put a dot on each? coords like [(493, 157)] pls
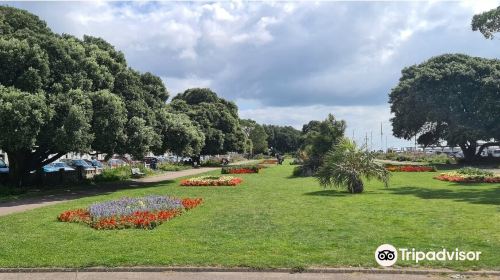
[(339, 193), (489, 196), (297, 177), (79, 191), (329, 193)]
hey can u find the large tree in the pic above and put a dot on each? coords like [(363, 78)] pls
[(283, 139), (215, 116), (487, 23), (318, 138), (256, 134), (61, 94), (452, 97)]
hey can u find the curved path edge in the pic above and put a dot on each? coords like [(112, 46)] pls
[(267, 270), (26, 204)]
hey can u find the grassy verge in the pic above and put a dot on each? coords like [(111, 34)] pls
[(272, 220)]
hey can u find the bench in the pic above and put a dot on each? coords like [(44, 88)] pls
[(136, 172)]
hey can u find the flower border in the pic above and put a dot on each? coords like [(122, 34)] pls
[(211, 181), (139, 219), (464, 179), (410, 168)]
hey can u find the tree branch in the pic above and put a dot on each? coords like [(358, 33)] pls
[(485, 145), (51, 159)]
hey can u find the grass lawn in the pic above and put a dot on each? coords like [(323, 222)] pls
[(272, 220)]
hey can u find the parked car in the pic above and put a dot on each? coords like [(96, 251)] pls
[(75, 163), (116, 162), (95, 163), (3, 167), (56, 166), (495, 153)]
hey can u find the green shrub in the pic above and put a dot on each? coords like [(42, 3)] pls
[(296, 161), (302, 171), (237, 158), (470, 171), (418, 157), (121, 173), (114, 174), (438, 159), (297, 171), (172, 167)]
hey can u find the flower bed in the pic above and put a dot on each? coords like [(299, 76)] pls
[(469, 175), (240, 169), (410, 168), (212, 181), (144, 212)]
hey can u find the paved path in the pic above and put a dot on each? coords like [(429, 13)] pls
[(174, 175), (25, 204), (228, 276)]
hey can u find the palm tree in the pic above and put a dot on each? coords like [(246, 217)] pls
[(345, 164)]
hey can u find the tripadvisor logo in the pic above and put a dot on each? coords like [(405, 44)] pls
[(387, 255)]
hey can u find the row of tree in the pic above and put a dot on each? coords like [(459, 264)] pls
[(452, 98), (61, 94)]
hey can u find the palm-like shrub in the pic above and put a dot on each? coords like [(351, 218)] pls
[(346, 164)]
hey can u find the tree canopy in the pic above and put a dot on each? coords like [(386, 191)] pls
[(452, 97), (257, 136), (61, 94), (282, 139), (487, 23), (216, 117), (318, 138)]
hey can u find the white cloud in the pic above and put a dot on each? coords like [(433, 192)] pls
[(479, 6), (177, 85), (284, 62)]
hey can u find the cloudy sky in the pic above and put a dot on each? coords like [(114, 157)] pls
[(283, 62)]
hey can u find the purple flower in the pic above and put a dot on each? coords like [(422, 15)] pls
[(127, 206)]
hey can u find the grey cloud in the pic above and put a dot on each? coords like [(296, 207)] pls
[(281, 54)]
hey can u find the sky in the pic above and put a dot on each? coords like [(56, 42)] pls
[(283, 63)]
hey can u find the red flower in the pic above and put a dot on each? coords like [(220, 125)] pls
[(190, 203), (77, 215), (410, 168), (139, 219), (461, 179)]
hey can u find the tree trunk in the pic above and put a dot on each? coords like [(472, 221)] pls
[(18, 168), (22, 162), (356, 186), (469, 151)]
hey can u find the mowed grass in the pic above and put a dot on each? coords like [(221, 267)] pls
[(272, 220)]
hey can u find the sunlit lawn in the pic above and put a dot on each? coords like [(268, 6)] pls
[(272, 220)]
